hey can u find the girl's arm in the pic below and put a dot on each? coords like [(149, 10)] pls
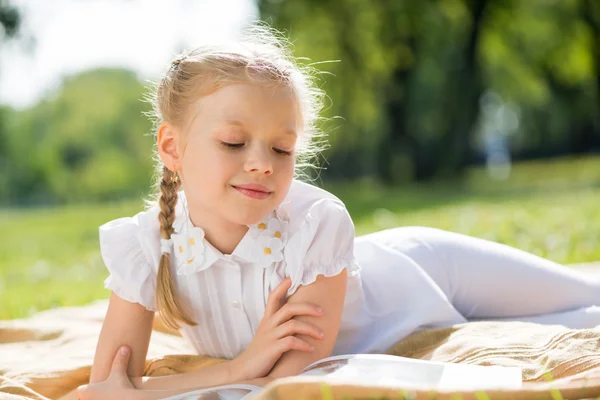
[(161, 394), (127, 324), (268, 345), (327, 293), (118, 384), (214, 375), (130, 324)]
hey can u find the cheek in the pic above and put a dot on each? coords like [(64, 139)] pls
[(286, 169), (213, 162)]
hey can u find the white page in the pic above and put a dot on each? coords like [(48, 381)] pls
[(474, 377), (386, 370), (226, 392)]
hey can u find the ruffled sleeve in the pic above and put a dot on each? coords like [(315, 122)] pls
[(323, 244), (131, 275)]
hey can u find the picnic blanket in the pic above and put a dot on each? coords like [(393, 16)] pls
[(50, 354)]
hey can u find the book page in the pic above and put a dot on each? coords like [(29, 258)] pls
[(226, 392), (387, 370), (474, 377)]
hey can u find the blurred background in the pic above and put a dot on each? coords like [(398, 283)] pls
[(476, 116)]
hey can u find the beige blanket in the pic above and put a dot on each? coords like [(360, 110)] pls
[(50, 354)]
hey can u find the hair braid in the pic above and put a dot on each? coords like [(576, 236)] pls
[(167, 304)]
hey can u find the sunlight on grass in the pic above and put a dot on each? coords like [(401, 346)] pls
[(50, 257)]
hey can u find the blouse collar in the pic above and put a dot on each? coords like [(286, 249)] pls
[(262, 244)]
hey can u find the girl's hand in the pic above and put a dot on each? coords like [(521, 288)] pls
[(116, 386), (275, 335)]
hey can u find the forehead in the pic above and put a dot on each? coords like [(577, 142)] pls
[(250, 106)]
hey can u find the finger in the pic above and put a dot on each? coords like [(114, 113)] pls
[(293, 343), (288, 311), (121, 361), (293, 327), (276, 296)]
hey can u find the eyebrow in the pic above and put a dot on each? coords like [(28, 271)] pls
[(239, 124)]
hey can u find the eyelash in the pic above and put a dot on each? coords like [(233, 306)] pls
[(240, 145)]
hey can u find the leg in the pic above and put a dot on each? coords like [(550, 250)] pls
[(484, 279), (581, 318)]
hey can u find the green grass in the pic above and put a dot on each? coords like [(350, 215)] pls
[(49, 257)]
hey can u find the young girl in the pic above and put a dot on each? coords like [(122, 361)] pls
[(260, 269)]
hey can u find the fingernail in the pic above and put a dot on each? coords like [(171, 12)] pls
[(321, 334), (312, 348), (124, 350), (319, 310)]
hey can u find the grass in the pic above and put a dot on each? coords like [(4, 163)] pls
[(49, 257)]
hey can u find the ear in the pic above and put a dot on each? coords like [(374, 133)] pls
[(167, 141)]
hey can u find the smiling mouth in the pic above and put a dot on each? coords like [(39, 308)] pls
[(253, 193)]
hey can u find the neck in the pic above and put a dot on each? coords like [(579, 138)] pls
[(222, 234)]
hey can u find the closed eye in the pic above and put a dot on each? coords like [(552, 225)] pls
[(282, 152), (232, 145), (240, 145)]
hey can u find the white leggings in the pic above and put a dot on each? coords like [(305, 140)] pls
[(487, 280)]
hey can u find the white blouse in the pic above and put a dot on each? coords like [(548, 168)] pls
[(396, 291), (311, 233), (389, 296)]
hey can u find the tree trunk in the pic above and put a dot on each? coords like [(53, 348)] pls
[(466, 89)]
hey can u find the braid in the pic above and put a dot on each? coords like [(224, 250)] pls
[(166, 301)]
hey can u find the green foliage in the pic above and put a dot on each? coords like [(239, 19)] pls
[(409, 77), (408, 80), (87, 141)]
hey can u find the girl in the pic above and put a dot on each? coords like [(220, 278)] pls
[(260, 269)]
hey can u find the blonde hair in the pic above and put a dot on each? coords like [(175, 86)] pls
[(262, 55)]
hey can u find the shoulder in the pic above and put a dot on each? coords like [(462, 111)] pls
[(321, 240), (141, 230), (305, 202), (128, 249), (302, 194), (319, 222)]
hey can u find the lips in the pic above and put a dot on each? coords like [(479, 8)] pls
[(253, 190)]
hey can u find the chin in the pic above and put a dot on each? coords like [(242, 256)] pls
[(251, 216)]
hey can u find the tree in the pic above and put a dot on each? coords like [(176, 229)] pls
[(88, 141), (10, 22), (413, 74)]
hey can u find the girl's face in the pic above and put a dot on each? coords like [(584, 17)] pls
[(238, 152)]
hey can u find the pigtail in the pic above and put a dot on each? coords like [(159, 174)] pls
[(166, 300)]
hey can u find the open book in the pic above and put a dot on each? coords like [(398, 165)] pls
[(384, 370)]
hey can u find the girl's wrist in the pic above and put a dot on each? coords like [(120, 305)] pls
[(230, 372), (236, 371)]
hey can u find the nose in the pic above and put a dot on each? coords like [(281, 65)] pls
[(259, 160)]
